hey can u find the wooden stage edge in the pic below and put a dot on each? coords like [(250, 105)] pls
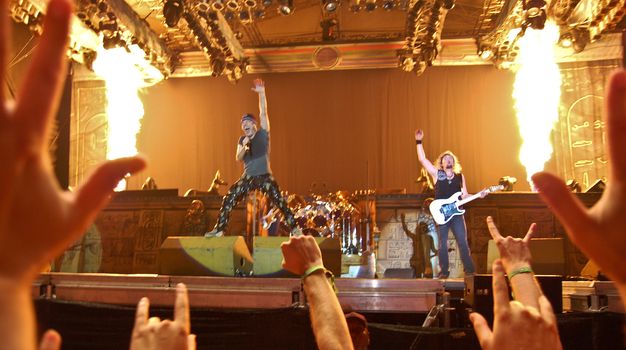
[(355, 294)]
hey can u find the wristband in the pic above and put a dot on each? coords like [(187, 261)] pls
[(418, 142), (329, 275), (312, 269), (525, 269)]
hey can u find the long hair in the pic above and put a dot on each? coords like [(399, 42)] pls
[(457, 165)]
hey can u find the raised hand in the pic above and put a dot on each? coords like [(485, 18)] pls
[(259, 85), (37, 219), (301, 253), (51, 340), (150, 333), (419, 134), (515, 325), (600, 231)]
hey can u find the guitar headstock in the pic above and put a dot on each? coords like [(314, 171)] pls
[(495, 188)]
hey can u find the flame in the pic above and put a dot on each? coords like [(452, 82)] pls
[(125, 73), (537, 92)]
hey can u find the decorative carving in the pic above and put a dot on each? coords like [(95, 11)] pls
[(195, 220)]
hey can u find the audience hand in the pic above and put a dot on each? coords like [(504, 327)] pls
[(37, 219), (154, 334), (301, 253), (515, 325), (600, 231)]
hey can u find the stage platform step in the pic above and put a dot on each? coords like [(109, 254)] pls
[(355, 294)]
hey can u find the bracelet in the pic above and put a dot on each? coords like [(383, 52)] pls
[(312, 269), (525, 269), (329, 275), (418, 142)]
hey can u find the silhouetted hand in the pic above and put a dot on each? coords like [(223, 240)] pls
[(154, 334)]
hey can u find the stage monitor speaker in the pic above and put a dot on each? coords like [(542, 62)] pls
[(268, 256), (548, 255), (479, 293), (399, 273), (597, 187), (201, 256)]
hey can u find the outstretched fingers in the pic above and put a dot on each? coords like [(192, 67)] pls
[(530, 233), (493, 229)]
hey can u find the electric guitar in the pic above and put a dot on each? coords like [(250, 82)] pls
[(443, 210)]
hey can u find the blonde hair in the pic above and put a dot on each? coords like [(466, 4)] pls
[(457, 165)]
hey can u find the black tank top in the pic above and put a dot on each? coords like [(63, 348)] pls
[(445, 188)]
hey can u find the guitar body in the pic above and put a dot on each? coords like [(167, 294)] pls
[(443, 210)]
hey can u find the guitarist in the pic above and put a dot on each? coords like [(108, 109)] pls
[(448, 180)]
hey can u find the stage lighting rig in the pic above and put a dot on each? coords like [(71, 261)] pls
[(330, 6), (535, 15)]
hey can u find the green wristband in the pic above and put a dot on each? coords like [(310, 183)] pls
[(312, 269), (525, 269)]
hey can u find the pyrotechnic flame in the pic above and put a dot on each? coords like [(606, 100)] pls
[(537, 92), (125, 73)]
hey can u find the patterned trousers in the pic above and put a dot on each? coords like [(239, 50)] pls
[(266, 184)]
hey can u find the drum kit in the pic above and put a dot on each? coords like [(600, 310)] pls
[(333, 215)]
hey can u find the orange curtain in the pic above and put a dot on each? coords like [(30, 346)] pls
[(335, 130)]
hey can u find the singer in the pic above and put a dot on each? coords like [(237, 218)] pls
[(253, 150)]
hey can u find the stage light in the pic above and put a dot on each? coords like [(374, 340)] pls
[(388, 5), (448, 4), (330, 5), (217, 5), (355, 5), (232, 5), (285, 7), (535, 13), (267, 3), (566, 40), (486, 54), (250, 4), (370, 5), (507, 182), (172, 11), (244, 16)]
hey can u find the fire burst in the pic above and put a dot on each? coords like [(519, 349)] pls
[(125, 72), (537, 92)]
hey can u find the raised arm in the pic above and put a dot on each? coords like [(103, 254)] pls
[(421, 155), (259, 88), (302, 256)]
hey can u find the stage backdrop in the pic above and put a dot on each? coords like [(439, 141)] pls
[(336, 129)]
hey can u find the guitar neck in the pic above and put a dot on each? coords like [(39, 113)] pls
[(468, 199)]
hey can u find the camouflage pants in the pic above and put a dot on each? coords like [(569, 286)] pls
[(266, 184)]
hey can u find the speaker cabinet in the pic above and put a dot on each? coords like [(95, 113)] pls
[(268, 257), (201, 256), (548, 255), (479, 293)]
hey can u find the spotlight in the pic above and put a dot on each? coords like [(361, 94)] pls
[(330, 5), (244, 16), (267, 3), (218, 5), (355, 5), (250, 3), (486, 54), (507, 182), (448, 4), (285, 7), (535, 13), (232, 5), (370, 5), (566, 40), (172, 11)]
